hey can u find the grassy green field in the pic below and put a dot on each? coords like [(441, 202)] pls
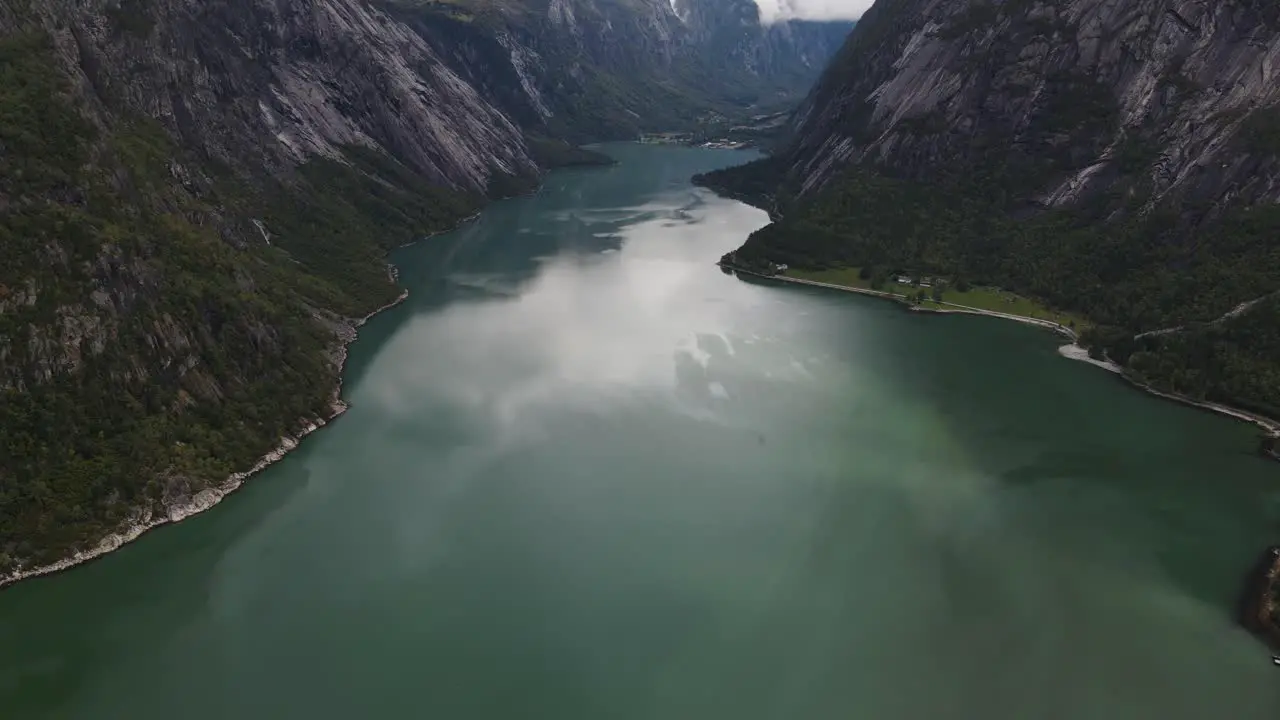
[(982, 298)]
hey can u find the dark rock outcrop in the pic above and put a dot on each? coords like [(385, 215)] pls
[(1270, 446), (1260, 601)]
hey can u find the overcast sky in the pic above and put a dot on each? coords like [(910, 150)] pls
[(771, 10)]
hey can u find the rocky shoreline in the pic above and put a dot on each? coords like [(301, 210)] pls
[(147, 519), (345, 331), (1259, 609), (1270, 441), (1271, 428)]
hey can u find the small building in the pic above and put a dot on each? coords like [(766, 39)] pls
[(781, 268)]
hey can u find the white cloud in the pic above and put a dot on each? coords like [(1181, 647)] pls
[(775, 10)]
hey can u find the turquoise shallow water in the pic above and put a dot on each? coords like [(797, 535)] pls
[(586, 474)]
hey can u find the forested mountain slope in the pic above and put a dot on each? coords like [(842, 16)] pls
[(196, 197), (1116, 158)]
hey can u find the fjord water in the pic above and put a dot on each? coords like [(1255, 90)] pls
[(588, 475)]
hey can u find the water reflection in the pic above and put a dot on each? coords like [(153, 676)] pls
[(577, 327), (586, 475)]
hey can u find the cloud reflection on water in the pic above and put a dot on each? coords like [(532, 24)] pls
[(588, 326)]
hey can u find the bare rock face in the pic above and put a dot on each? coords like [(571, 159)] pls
[(1180, 86), (257, 83), (262, 83)]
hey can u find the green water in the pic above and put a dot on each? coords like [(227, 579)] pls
[(587, 475)]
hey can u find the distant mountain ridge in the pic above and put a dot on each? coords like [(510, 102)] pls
[(602, 69)]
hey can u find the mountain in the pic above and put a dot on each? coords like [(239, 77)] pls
[(1116, 159), (608, 69), (196, 199)]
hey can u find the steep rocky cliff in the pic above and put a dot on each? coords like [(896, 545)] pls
[(253, 84), (196, 198), (168, 308), (1117, 158), (1188, 81)]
